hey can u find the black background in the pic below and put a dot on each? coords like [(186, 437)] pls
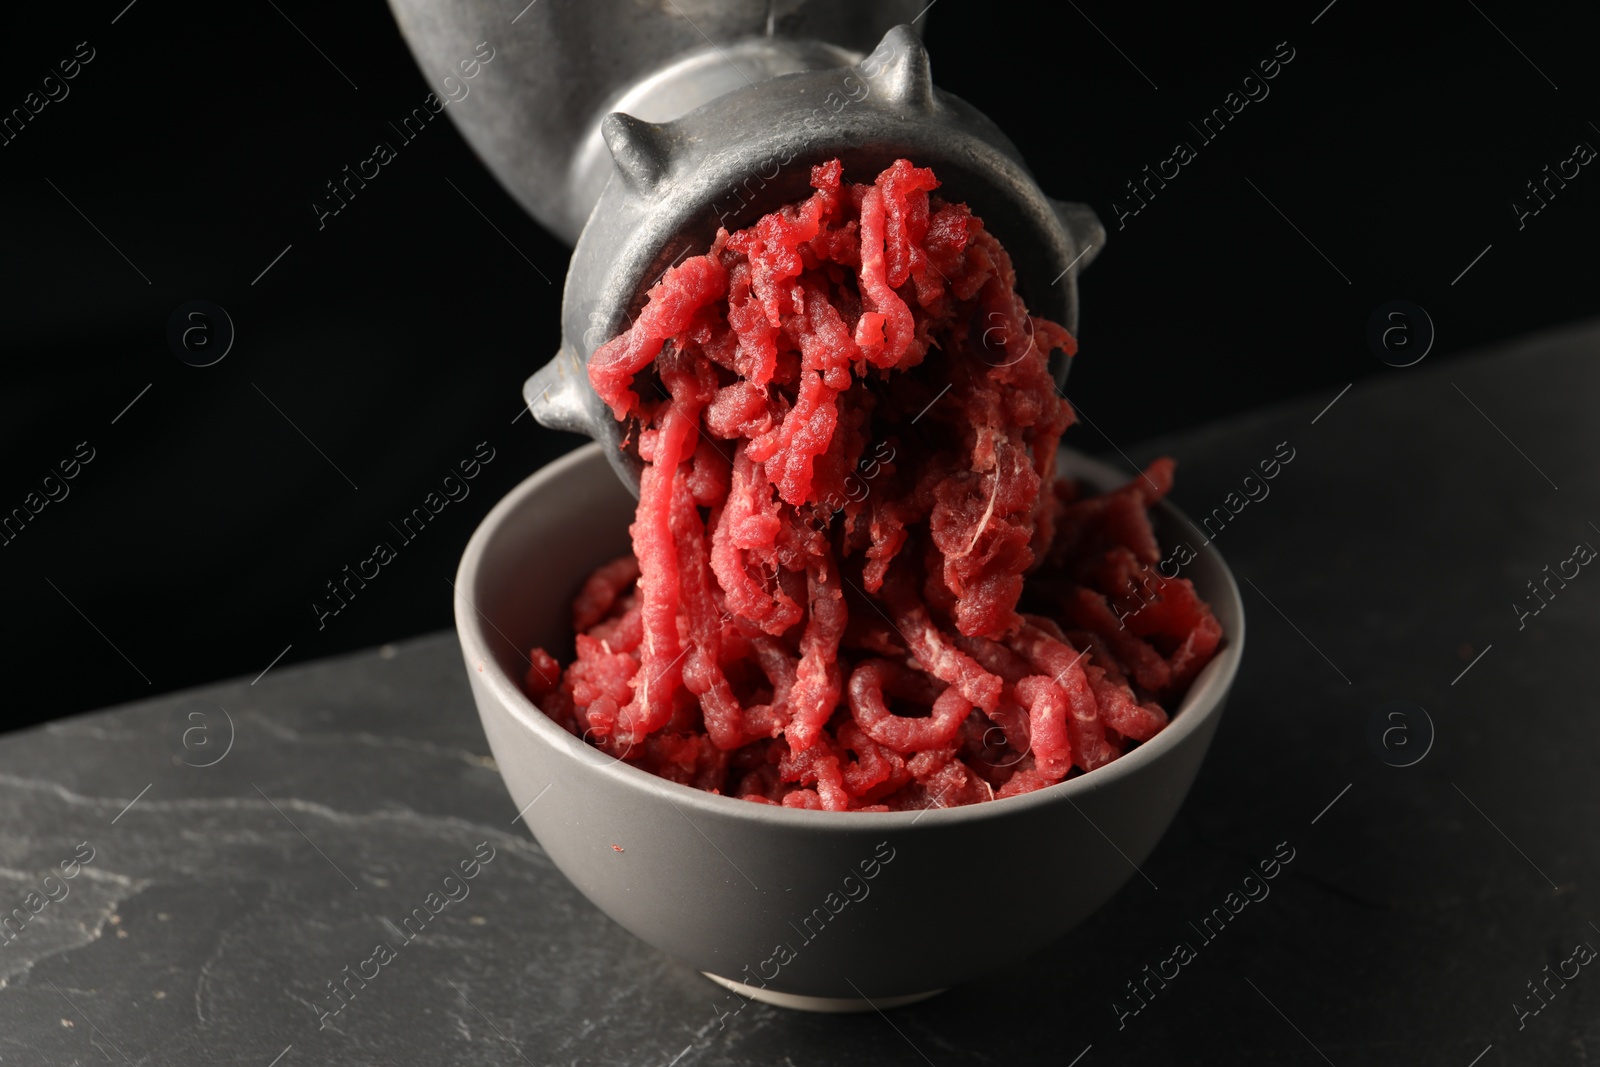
[(397, 337)]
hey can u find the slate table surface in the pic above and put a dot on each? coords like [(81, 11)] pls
[(1380, 572)]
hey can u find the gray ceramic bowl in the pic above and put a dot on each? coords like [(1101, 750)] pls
[(815, 909)]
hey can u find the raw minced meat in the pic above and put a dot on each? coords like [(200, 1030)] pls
[(856, 582)]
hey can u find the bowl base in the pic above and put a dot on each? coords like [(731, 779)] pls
[(820, 1004)]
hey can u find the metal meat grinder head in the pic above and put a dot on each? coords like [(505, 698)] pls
[(640, 128)]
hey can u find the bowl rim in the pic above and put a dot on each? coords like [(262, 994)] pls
[(1201, 704)]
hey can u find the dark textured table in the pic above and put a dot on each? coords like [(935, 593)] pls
[(210, 909)]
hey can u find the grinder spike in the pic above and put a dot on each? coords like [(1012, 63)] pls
[(907, 77), (1087, 231), (639, 149)]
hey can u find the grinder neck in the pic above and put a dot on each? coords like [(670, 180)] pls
[(532, 112)]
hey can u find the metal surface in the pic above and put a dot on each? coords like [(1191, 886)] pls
[(731, 160), (658, 125)]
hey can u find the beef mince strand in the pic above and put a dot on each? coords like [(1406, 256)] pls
[(856, 582)]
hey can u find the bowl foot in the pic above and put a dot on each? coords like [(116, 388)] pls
[(822, 1004)]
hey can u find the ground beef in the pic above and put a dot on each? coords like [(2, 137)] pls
[(856, 583)]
